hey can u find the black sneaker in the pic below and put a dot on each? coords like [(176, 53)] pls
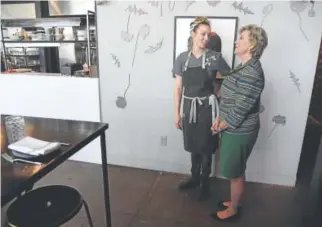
[(188, 183), (204, 191)]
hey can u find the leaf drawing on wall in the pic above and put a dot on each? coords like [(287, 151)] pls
[(188, 4), (277, 120), (159, 5), (103, 2), (261, 108), (298, 7), (266, 11), (240, 6), (213, 3), (116, 60), (136, 11), (121, 100), (171, 4), (133, 10), (154, 48), (311, 12), (295, 80), (144, 32)]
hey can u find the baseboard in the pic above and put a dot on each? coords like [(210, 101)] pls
[(180, 168), (271, 178)]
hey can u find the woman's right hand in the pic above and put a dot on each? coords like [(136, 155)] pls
[(177, 121), (215, 126)]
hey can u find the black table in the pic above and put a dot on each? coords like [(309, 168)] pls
[(19, 177)]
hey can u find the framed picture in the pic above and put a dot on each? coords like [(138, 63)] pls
[(224, 27)]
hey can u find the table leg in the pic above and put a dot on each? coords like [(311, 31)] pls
[(105, 181)]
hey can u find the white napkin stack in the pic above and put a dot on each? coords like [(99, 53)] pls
[(31, 146)]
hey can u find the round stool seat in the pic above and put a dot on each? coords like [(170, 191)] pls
[(45, 206)]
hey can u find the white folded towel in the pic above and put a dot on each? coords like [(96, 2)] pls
[(32, 146)]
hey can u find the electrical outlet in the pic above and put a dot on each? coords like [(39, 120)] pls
[(164, 140)]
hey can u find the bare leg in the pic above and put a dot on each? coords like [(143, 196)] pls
[(236, 193), (237, 187)]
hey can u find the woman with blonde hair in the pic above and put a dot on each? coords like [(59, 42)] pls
[(238, 120), (195, 103)]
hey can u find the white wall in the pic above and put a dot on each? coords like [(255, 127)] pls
[(56, 97), (134, 137), (15, 11)]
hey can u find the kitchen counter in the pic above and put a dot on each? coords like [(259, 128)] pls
[(46, 74), (30, 74)]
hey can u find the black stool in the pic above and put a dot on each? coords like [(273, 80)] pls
[(49, 206)]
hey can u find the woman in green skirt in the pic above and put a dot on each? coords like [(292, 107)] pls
[(238, 121)]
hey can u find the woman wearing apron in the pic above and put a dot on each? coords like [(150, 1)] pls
[(196, 105)]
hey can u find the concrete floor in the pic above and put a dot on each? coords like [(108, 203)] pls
[(142, 198)]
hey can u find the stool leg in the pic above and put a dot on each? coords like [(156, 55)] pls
[(88, 214)]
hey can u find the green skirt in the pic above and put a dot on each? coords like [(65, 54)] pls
[(234, 152)]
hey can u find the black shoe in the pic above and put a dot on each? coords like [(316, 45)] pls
[(222, 206), (188, 183), (232, 218), (204, 191)]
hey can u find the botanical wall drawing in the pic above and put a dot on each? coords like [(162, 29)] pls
[(132, 9), (116, 60), (103, 2), (277, 120), (240, 6), (159, 5), (266, 11), (311, 12), (121, 100), (295, 81), (213, 3), (143, 33), (261, 108), (298, 7), (154, 48), (189, 3)]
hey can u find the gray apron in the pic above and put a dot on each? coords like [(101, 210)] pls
[(199, 108)]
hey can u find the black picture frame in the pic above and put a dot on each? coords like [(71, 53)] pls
[(234, 21)]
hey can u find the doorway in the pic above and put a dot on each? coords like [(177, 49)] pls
[(313, 132)]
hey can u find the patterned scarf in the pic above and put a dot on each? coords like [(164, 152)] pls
[(198, 21)]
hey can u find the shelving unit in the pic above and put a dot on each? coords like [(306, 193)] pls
[(52, 31), (24, 57)]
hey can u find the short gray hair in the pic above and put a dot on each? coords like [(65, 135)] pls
[(258, 37)]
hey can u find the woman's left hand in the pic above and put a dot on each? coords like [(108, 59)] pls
[(215, 126), (222, 125)]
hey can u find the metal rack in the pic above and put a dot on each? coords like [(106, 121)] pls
[(28, 58), (87, 43)]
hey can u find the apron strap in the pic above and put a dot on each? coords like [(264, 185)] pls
[(203, 60), (187, 61), (203, 63), (181, 103)]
